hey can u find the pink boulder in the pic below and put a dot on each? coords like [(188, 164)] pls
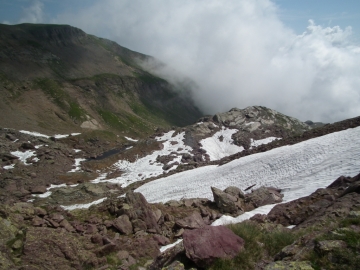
[(206, 244)]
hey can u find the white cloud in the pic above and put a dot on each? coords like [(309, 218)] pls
[(34, 13), (238, 52)]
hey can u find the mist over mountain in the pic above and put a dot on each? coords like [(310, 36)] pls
[(238, 53)]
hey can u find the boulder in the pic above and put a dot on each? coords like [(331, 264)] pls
[(191, 222), (27, 145), (206, 244), (167, 257), (262, 196), (123, 224), (225, 202), (141, 209), (235, 191), (326, 246)]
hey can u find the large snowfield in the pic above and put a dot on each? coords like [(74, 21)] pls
[(298, 170)]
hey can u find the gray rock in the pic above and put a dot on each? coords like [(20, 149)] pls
[(224, 201), (235, 191)]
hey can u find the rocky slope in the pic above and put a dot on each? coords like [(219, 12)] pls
[(57, 78)]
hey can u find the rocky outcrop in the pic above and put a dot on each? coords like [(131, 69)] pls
[(234, 202), (206, 244), (262, 196)]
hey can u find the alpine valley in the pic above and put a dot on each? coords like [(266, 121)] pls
[(105, 165)]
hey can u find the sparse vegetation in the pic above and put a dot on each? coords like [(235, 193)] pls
[(259, 243)]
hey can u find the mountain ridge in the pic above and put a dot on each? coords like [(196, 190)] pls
[(84, 79)]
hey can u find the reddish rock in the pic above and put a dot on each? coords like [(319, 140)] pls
[(38, 189), (65, 224), (206, 244), (191, 222), (57, 217), (141, 209), (139, 225), (161, 240), (36, 222), (91, 229), (97, 239), (40, 211), (123, 224)]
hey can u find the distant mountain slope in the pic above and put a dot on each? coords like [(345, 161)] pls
[(58, 78)]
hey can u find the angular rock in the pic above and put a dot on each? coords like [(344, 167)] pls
[(142, 210), (65, 224), (206, 244), (36, 222), (262, 196), (123, 224), (27, 145), (326, 246), (224, 201), (167, 257), (161, 240), (191, 222), (138, 225), (235, 191)]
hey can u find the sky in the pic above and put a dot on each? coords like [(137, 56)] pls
[(301, 58)]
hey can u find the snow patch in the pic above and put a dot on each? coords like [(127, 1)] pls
[(23, 156), (256, 143), (163, 248), (9, 167), (220, 144), (77, 164), (37, 134), (130, 139), (297, 169), (82, 206), (147, 166)]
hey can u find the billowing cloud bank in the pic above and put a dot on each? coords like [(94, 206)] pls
[(238, 52)]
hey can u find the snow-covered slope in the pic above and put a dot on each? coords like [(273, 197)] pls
[(298, 169)]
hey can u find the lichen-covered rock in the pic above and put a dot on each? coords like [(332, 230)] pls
[(225, 202), (262, 196), (326, 246), (285, 265)]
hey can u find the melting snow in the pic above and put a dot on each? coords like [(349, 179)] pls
[(298, 170), (218, 148), (82, 206), (23, 156), (37, 134), (48, 192), (9, 167), (256, 143), (130, 139), (147, 166), (77, 164), (163, 248)]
